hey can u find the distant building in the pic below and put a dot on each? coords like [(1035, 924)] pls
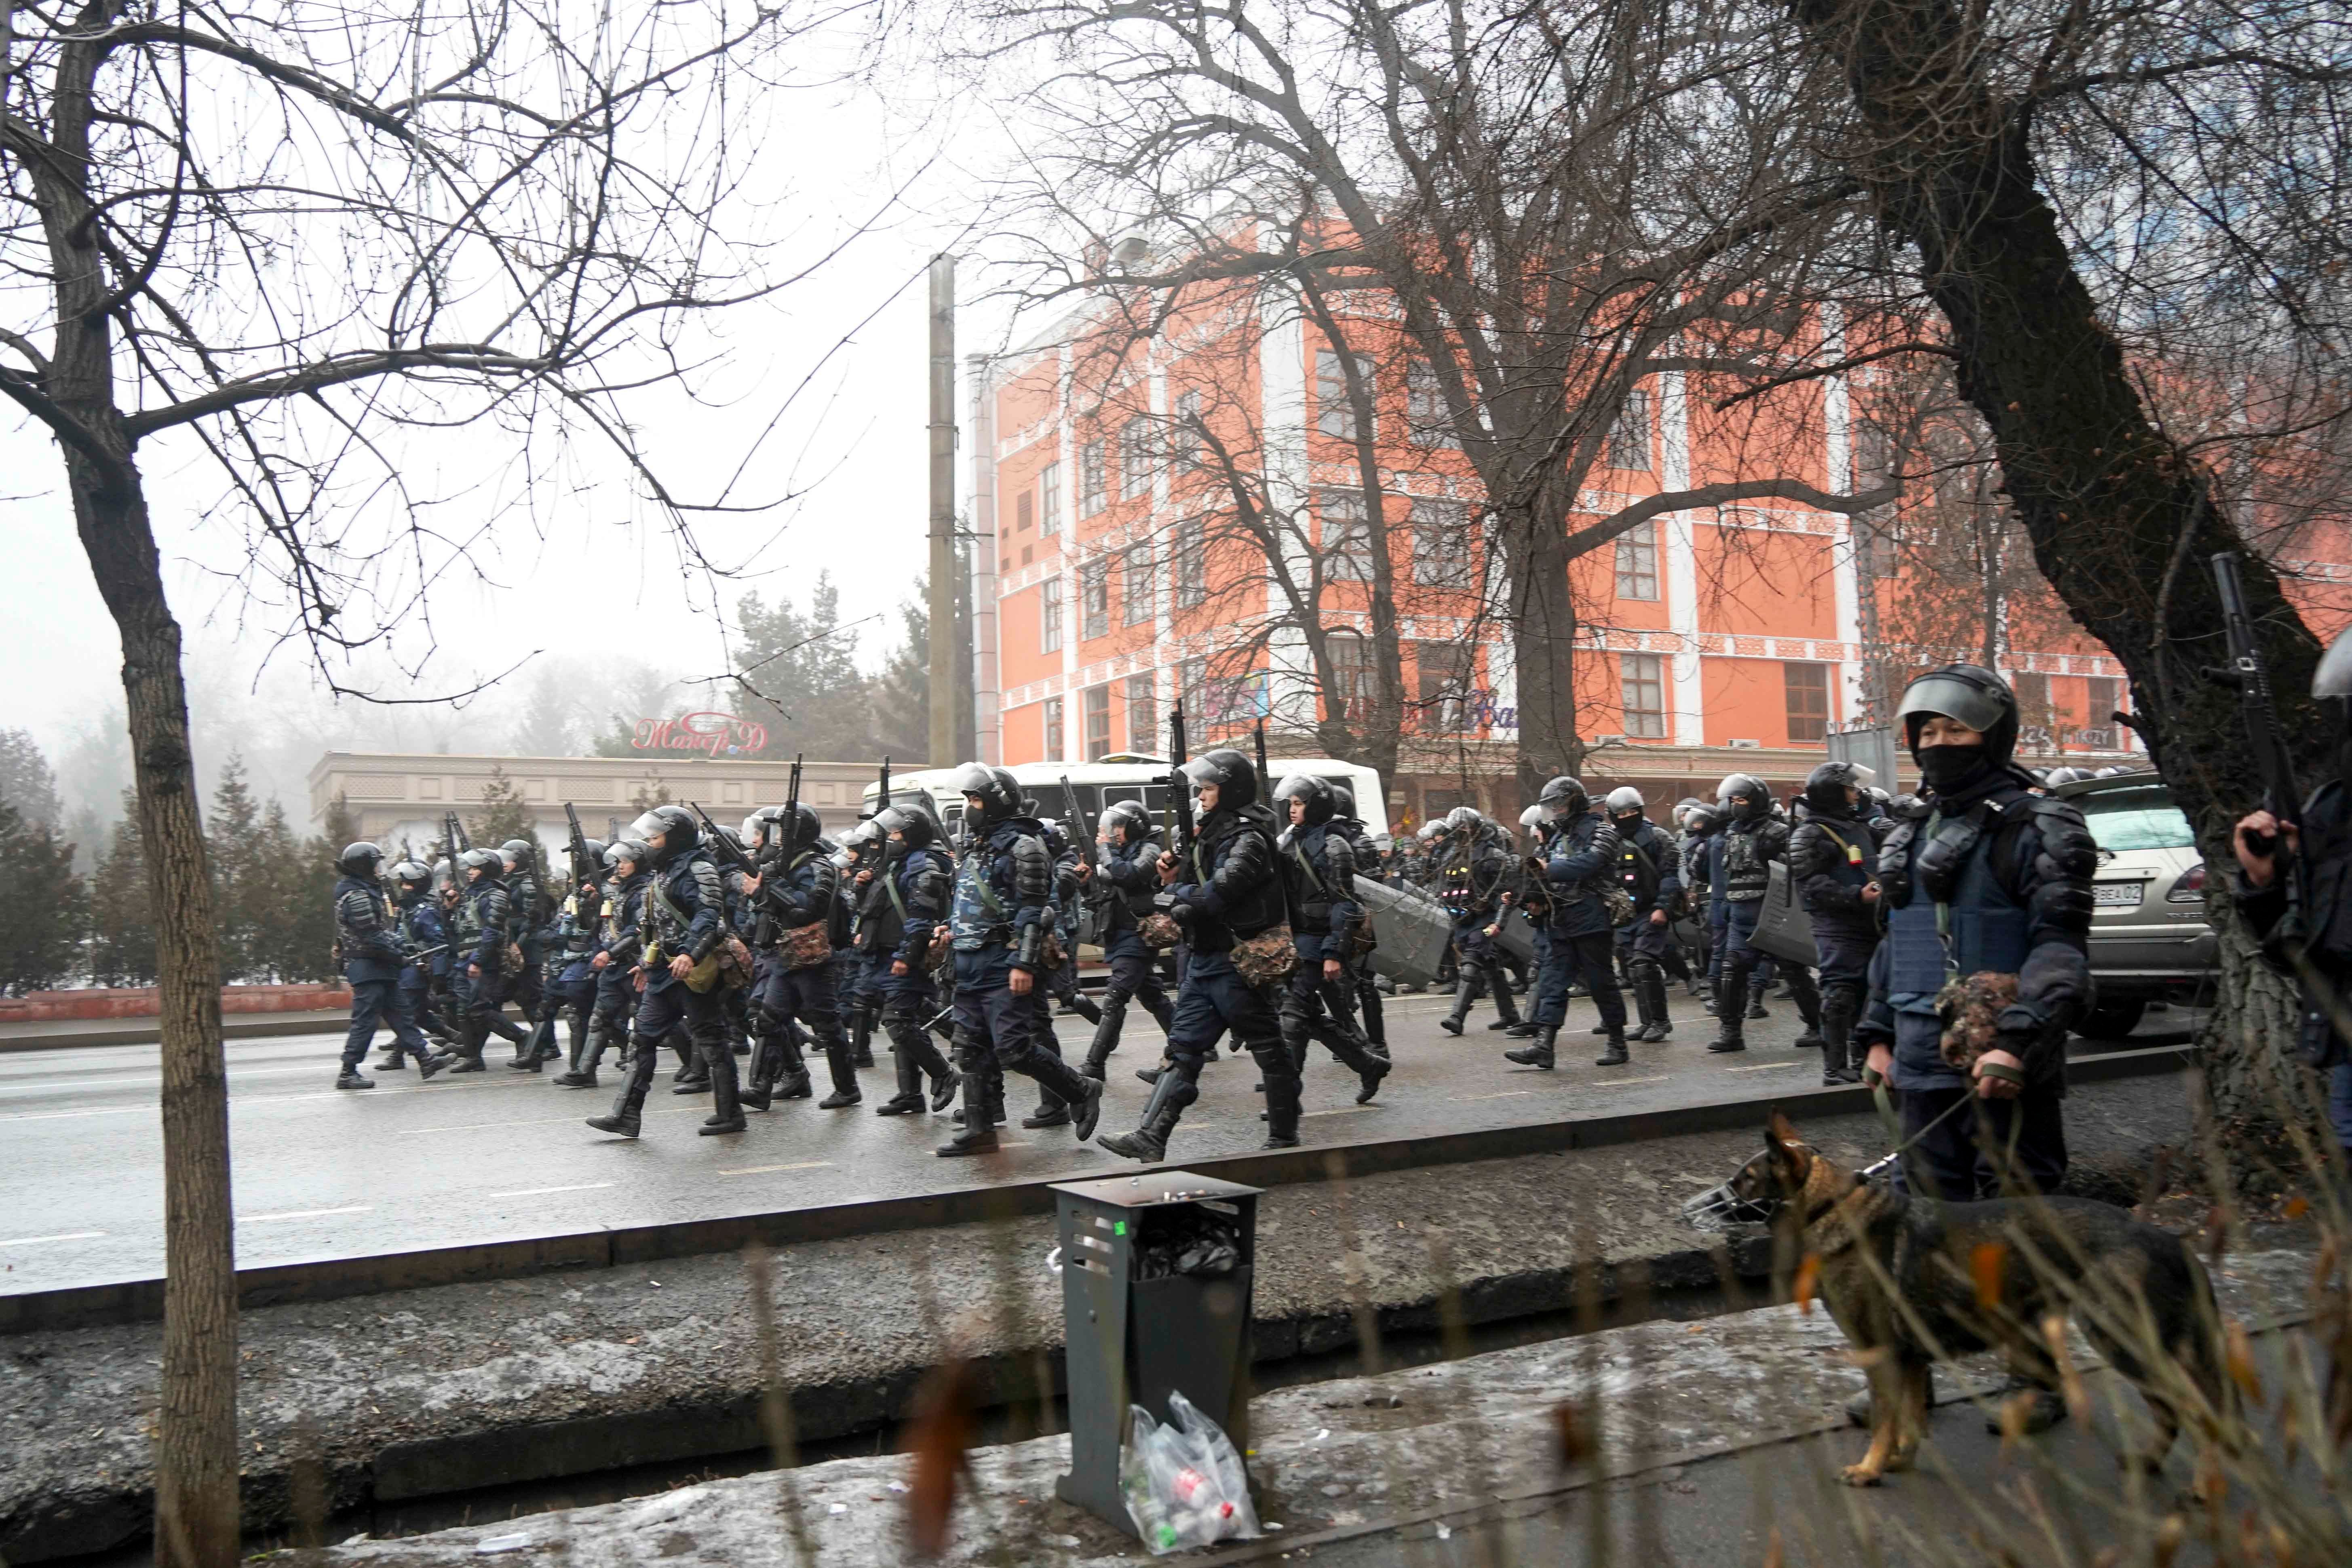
[(397, 796)]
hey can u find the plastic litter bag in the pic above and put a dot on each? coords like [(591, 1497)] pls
[(1184, 1483)]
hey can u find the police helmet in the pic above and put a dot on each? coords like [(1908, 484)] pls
[(759, 826), (1430, 829), (1745, 787), (1343, 801), (591, 859), (674, 825), (1313, 795), (359, 859), (1230, 772), (2333, 676), (487, 862), (410, 876), (1826, 785), (1127, 820), (630, 849), (914, 827), (1625, 802), (998, 795), (1563, 796), (1702, 819), (519, 853), (1969, 695), (1532, 819)]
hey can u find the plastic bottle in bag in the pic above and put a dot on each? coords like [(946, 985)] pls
[(1183, 1481)]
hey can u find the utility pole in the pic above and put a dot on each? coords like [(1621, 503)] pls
[(945, 683)]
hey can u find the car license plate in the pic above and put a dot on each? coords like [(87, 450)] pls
[(2118, 894)]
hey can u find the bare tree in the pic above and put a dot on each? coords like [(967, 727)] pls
[(1550, 210), (265, 237), (2105, 202)]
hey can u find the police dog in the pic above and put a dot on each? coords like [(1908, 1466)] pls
[(1909, 1280)]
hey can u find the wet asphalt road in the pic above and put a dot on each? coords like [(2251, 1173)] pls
[(321, 1173)]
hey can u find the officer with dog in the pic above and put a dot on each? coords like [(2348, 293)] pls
[(2266, 850), (1979, 876), (1833, 859)]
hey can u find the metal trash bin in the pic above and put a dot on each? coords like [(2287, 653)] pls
[(1156, 1272)]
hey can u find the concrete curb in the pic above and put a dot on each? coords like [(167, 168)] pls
[(234, 1026), (141, 1300)]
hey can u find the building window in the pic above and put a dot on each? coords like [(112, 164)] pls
[(1637, 561), (1425, 406), (1187, 443), (1334, 412), (1097, 723), (1025, 514), (1350, 697), (1641, 678), (1135, 457), (1347, 537), (1049, 615), (1093, 495), (1135, 586), (2104, 694), (1143, 715), (1049, 499), (1053, 721), (1629, 434), (1441, 545), (1191, 561), (1809, 702), (1443, 678), (1094, 598), (1192, 688)]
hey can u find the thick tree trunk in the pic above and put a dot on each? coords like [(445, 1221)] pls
[(2121, 517), (1543, 645)]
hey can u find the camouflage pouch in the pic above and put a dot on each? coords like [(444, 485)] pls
[(1969, 1006), (1267, 958), (1159, 932)]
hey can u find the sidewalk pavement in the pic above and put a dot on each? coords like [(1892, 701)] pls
[(1715, 1436)]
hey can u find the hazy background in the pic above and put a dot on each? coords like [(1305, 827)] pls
[(823, 387)]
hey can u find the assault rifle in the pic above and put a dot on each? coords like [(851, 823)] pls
[(580, 864), (1179, 789), (1078, 829), (731, 855), (1265, 778), (2281, 797), (418, 955), (882, 800)]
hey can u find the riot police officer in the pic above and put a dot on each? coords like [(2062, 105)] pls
[(903, 911), (1977, 875), (1319, 882), (1118, 889), (419, 930), (578, 931), (1579, 858), (1834, 859), (1474, 872), (368, 938), (525, 922), (2265, 851), (628, 866), (1001, 925), (684, 920), (1751, 838), (800, 890), (1367, 856), (1649, 869), (1226, 893), (489, 973)]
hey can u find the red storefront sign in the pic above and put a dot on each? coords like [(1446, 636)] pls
[(712, 734)]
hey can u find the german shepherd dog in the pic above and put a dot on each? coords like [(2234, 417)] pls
[(1909, 1280)]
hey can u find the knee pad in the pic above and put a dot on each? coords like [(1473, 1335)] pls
[(1116, 996)]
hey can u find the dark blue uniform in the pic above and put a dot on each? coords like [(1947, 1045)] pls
[(1743, 850), (999, 920), (620, 939), (1473, 872), (1319, 879), (1995, 880), (488, 978), (573, 940), (800, 891), (2326, 851), (374, 960), (1368, 995), (1833, 857), (902, 908), (418, 925), (1579, 855), (1120, 894), (1649, 868), (684, 915)]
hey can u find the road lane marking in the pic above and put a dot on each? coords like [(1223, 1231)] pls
[(1764, 1067), (302, 1214), (764, 1170), (237, 1103), (535, 1122), (1628, 1083), (11, 1088), (1506, 1094), (1340, 1111), (543, 1191), (44, 1240)]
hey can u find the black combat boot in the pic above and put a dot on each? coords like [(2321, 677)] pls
[(349, 1078), (861, 1037), (469, 1049), (1149, 1141), (576, 1073), (1105, 1039), (1506, 1007), (629, 1104), (978, 1133), (1659, 1023), (1614, 1054), (1731, 1003), (909, 1100), (1281, 1105), (1536, 1052), (1464, 995), (392, 1060), (838, 1058)]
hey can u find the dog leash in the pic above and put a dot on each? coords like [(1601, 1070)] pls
[(1885, 1102)]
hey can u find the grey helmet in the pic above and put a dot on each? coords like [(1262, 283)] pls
[(914, 826), (759, 826), (520, 854), (1965, 694), (410, 876), (1313, 795), (1744, 786), (1532, 819), (1826, 785), (592, 860), (1126, 818), (492, 866), (633, 850), (1564, 795), (674, 825), (1623, 801)]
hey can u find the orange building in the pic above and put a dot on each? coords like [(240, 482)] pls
[(1146, 508)]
